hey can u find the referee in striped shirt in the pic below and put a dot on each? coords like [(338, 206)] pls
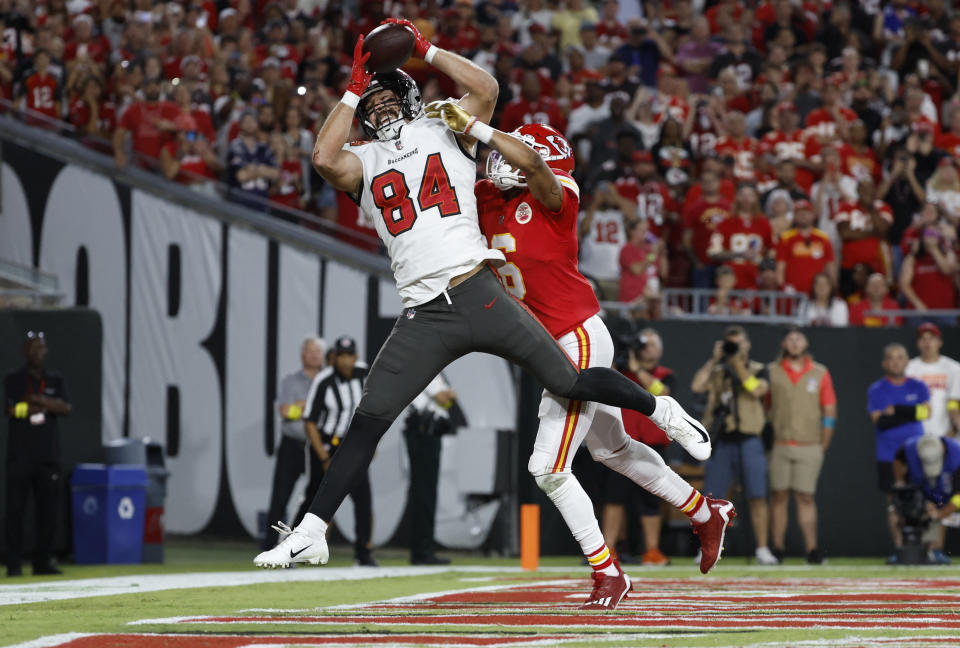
[(331, 401)]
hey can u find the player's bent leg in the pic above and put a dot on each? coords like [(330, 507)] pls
[(609, 444)]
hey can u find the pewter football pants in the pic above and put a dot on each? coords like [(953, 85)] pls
[(479, 316)]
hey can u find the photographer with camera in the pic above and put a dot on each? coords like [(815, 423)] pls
[(930, 466), (897, 404), (735, 388)]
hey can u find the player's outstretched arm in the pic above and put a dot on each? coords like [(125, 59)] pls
[(340, 168), (482, 88), (541, 181)]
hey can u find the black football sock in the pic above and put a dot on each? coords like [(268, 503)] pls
[(349, 464), (603, 385)]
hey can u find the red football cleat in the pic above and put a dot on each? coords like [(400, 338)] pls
[(712, 531), (608, 591)]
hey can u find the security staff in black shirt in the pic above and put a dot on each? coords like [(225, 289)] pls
[(35, 400), (331, 402)]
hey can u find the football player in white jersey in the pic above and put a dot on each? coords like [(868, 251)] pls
[(415, 180)]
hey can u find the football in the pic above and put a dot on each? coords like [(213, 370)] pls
[(389, 46)]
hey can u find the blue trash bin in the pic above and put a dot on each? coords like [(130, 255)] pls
[(109, 504)]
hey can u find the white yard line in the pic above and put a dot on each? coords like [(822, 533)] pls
[(85, 588)]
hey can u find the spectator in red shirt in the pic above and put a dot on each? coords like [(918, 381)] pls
[(804, 251), (150, 123), (700, 221), (744, 239), (863, 228), (42, 92), (84, 44), (876, 297), (738, 145), (723, 303), (788, 142), (90, 113), (822, 122), (929, 263), (287, 189), (183, 101), (643, 264), (188, 158), (531, 108), (950, 140), (859, 160)]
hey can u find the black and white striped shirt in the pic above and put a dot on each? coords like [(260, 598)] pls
[(332, 400)]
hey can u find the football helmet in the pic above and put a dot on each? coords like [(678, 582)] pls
[(552, 146), (411, 104)]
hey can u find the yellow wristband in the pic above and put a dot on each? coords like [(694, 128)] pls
[(294, 412), (953, 406), (955, 500), (751, 383), (656, 387), (21, 410), (923, 412)]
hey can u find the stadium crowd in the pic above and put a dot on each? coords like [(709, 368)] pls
[(804, 146)]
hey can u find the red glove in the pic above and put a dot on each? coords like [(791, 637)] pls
[(359, 77), (422, 46)]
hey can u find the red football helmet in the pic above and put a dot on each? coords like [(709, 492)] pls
[(545, 140)]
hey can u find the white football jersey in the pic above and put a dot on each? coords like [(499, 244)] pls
[(942, 378), (600, 247), (418, 191)]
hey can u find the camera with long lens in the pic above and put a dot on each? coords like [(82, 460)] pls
[(911, 509), (625, 344), (730, 349)]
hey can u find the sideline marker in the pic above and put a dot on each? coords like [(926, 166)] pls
[(529, 537)]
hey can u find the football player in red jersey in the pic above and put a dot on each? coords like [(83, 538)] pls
[(528, 208)]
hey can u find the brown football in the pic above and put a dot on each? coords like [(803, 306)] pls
[(390, 46)]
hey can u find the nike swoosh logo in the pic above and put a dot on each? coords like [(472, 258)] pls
[(698, 428), (487, 306), (294, 554)]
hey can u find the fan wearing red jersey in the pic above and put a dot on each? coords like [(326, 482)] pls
[(528, 208), (738, 145), (863, 226), (743, 240)]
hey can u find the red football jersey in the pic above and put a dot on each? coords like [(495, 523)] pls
[(793, 147), (861, 165), (737, 235), (821, 124), (43, 93), (702, 217), (870, 250), (805, 256), (744, 153), (949, 143), (934, 288), (541, 249)]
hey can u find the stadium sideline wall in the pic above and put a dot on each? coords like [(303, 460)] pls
[(201, 318)]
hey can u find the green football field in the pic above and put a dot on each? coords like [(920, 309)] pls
[(210, 595)]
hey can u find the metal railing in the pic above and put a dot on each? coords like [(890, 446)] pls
[(62, 141), (939, 314), (758, 306)]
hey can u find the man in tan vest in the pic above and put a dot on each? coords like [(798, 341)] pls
[(803, 411)]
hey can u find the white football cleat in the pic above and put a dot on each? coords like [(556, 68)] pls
[(682, 428), (295, 546)]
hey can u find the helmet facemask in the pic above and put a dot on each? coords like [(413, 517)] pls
[(407, 95), (504, 175)]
